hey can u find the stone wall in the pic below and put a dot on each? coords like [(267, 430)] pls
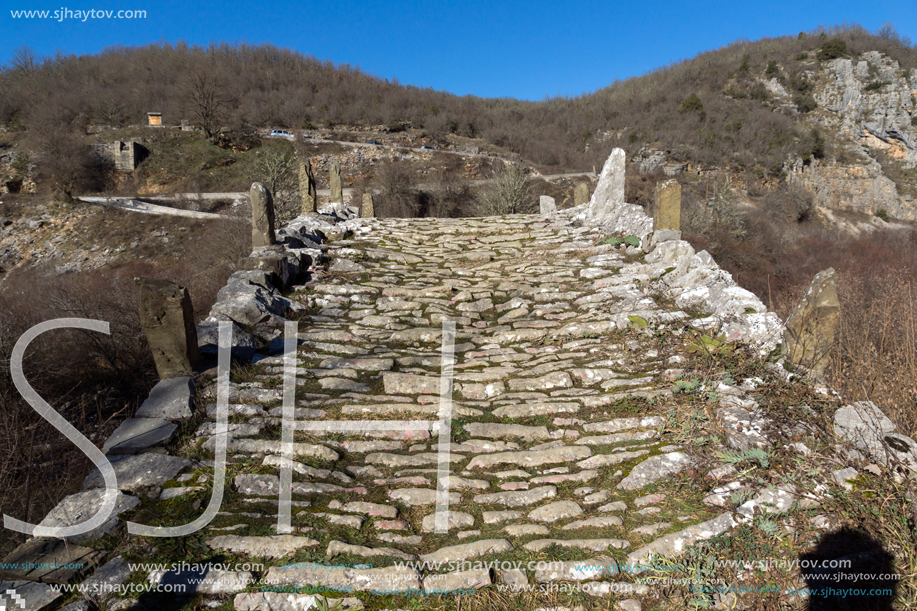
[(693, 280)]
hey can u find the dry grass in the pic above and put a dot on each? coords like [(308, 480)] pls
[(93, 380), (875, 355)]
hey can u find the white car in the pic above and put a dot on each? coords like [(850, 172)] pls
[(281, 133)]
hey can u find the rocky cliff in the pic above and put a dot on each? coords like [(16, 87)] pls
[(869, 105)]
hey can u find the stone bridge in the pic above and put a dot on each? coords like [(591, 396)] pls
[(598, 425)]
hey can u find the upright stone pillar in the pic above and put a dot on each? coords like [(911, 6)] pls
[(167, 318), (610, 190), (307, 191), (368, 210), (337, 192), (581, 194), (667, 198), (809, 333), (547, 204), (262, 217)]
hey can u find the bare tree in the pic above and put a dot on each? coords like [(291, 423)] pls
[(274, 169), (204, 101), (398, 191), (24, 60)]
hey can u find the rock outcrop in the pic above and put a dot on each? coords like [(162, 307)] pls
[(872, 102), (874, 99)]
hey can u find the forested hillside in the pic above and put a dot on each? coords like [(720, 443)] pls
[(712, 109)]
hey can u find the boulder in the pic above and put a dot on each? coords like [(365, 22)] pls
[(242, 345), (276, 265)]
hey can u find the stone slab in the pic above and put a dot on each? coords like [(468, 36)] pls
[(49, 561), (80, 507), (169, 399), (139, 471), (667, 198), (282, 601), (138, 434)]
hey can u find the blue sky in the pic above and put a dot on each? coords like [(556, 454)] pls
[(527, 50)]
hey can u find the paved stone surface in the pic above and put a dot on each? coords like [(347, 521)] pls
[(567, 440)]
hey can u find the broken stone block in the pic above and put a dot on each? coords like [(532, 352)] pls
[(242, 345), (459, 580), (111, 574), (78, 508), (547, 204), (138, 434), (262, 216), (655, 468), (810, 328), (673, 545), (667, 198), (274, 546), (281, 601), (610, 190), (307, 191), (454, 520), (275, 265), (27, 595), (334, 181), (581, 194), (205, 580), (391, 578), (167, 318), (369, 210)]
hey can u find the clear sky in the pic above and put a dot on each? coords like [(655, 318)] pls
[(494, 48)]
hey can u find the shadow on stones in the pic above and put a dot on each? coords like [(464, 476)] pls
[(181, 587), (849, 570)]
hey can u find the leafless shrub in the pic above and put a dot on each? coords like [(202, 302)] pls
[(639, 187), (789, 203), (399, 196), (507, 192), (276, 170), (452, 196), (205, 99)]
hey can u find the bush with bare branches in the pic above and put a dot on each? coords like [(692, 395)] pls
[(507, 192)]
